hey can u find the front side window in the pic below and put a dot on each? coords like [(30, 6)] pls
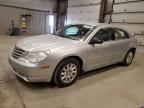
[(120, 34), (74, 31), (103, 34)]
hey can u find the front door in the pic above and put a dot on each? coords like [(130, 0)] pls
[(99, 55)]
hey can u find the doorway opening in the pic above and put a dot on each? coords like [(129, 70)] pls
[(50, 23)]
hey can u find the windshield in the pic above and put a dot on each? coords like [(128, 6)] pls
[(74, 31)]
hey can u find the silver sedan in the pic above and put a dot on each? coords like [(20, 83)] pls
[(61, 57)]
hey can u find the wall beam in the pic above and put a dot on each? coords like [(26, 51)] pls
[(102, 11)]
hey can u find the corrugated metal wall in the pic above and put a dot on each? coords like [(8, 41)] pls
[(13, 9), (83, 11), (128, 14), (7, 14)]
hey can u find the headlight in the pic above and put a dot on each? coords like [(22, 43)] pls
[(36, 57)]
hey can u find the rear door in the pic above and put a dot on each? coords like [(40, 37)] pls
[(119, 44)]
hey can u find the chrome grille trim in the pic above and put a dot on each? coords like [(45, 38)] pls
[(17, 52)]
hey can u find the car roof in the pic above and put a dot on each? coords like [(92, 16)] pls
[(107, 25), (100, 25), (111, 26)]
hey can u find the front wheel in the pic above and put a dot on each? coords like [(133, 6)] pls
[(67, 72), (128, 58)]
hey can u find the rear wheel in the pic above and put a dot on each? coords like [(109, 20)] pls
[(67, 72), (128, 58)]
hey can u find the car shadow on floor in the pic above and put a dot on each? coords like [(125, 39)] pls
[(37, 85), (43, 85), (98, 71)]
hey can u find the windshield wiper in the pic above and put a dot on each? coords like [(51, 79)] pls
[(65, 36), (71, 38)]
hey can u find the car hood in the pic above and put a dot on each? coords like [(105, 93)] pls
[(44, 42)]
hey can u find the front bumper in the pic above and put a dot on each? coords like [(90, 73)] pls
[(25, 78), (30, 72)]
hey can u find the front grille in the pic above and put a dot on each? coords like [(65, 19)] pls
[(17, 52)]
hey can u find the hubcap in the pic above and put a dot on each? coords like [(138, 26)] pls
[(129, 58), (68, 73)]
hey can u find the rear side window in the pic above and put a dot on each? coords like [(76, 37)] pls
[(120, 34)]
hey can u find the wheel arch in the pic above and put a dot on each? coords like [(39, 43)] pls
[(79, 59), (133, 50)]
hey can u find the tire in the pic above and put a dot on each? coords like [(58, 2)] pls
[(128, 58), (66, 72)]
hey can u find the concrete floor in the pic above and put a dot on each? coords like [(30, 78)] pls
[(111, 87)]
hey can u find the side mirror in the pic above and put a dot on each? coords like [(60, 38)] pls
[(96, 41)]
